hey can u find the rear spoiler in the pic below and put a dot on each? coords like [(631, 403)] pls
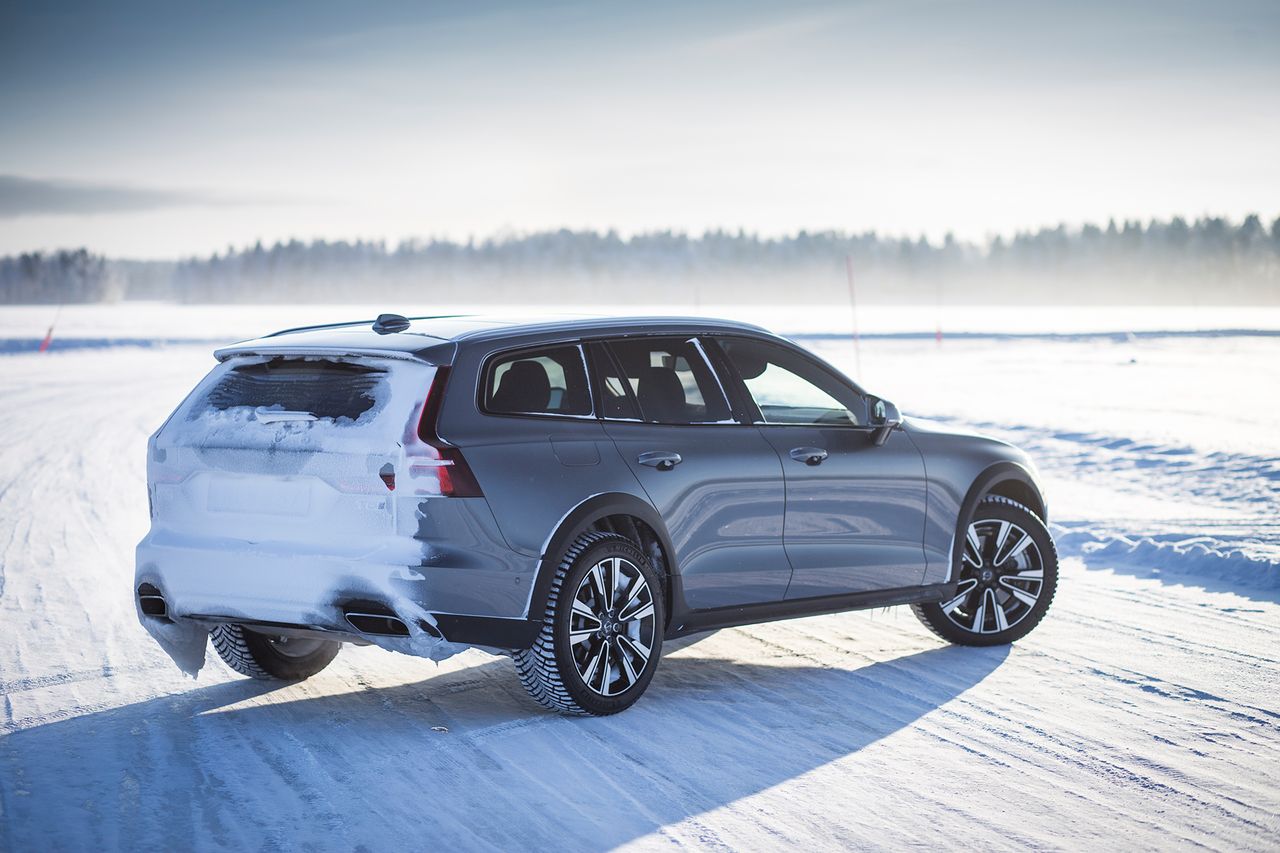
[(438, 354)]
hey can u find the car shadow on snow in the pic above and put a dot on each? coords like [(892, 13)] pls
[(461, 759)]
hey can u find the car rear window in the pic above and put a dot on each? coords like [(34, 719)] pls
[(324, 389), (551, 381)]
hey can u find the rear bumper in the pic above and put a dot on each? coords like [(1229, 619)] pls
[(440, 609)]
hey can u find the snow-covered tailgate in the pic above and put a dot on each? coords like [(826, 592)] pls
[(275, 479)]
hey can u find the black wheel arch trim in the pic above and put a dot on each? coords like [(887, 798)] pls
[(992, 476), (580, 520)]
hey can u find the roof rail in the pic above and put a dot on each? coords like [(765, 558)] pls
[(318, 326)]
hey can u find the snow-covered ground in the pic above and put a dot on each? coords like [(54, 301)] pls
[(1143, 713)]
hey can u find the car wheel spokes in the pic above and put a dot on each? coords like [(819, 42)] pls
[(612, 626), (1000, 579)]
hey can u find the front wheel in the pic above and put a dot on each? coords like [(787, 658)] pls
[(602, 630), (1005, 581)]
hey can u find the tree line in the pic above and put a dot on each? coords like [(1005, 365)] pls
[(1210, 260), (65, 276)]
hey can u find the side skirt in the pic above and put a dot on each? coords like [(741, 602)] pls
[(693, 621)]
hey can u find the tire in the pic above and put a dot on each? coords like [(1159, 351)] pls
[(592, 665), (1005, 583), (271, 658)]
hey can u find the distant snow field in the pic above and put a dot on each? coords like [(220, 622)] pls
[(1144, 713)]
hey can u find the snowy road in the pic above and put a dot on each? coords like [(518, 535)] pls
[(1144, 713)]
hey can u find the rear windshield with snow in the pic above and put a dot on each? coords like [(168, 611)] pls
[(323, 389), (313, 404)]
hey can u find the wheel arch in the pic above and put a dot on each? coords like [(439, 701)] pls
[(614, 512), (1005, 479)]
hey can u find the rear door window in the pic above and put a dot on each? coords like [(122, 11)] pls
[(671, 380), (616, 400), (548, 381)]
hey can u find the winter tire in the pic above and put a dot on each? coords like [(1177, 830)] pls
[(274, 658), (1005, 580), (602, 630)]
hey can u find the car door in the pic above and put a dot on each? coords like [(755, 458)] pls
[(716, 482), (855, 511)]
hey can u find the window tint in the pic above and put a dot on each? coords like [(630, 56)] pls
[(671, 380), (789, 389), (616, 401), (550, 381)]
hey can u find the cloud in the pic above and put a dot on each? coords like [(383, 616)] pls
[(33, 197)]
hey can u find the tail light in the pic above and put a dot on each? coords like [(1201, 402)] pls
[(435, 466)]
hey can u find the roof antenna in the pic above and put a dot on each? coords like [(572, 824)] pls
[(387, 324)]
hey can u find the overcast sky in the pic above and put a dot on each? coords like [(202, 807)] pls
[(166, 129)]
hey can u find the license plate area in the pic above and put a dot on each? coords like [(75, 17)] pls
[(259, 496)]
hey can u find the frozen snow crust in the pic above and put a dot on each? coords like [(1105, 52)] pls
[(1177, 557)]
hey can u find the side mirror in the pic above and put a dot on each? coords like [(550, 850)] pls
[(885, 418)]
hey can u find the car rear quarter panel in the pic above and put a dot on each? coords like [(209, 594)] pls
[(533, 470)]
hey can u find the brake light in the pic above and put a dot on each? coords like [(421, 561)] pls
[(435, 466)]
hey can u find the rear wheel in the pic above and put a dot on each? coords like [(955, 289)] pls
[(270, 657), (1005, 581), (602, 630)]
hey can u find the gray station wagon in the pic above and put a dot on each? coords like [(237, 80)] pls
[(570, 491)]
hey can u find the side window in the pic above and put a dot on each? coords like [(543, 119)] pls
[(671, 380), (551, 381), (616, 400), (789, 389)]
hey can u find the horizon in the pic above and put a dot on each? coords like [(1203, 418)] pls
[(148, 132)]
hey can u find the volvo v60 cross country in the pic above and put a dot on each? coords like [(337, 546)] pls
[(571, 492)]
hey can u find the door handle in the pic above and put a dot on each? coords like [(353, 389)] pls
[(809, 455), (663, 460)]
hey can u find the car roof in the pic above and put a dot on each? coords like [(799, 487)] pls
[(425, 333)]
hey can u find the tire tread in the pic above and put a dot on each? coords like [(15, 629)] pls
[(250, 654), (536, 665), (230, 644)]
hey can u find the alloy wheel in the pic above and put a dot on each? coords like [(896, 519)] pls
[(1000, 580), (612, 626)]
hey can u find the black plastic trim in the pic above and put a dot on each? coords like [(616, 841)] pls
[(695, 621), (488, 630), (579, 521), (1000, 472)]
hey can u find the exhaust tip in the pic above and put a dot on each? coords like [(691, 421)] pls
[(383, 624), (151, 601)]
